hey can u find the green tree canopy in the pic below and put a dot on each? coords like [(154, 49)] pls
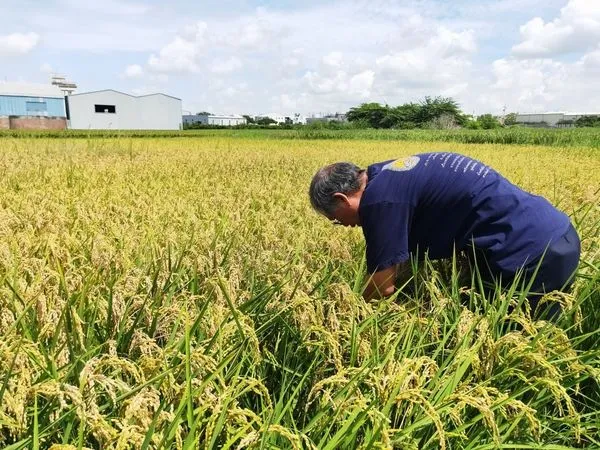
[(408, 115), (588, 121)]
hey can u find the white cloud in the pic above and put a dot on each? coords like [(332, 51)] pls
[(287, 102), (440, 62), (352, 85), (178, 56), (591, 61), (183, 53), (340, 76), (159, 78), (226, 66), (333, 59), (232, 90), (325, 56), (448, 43), (361, 83), (18, 43), (528, 84), (257, 32), (294, 58), (541, 85), (133, 71), (577, 29)]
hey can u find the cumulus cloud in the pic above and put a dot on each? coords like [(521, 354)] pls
[(289, 102), (576, 29), (529, 84), (591, 61), (186, 52), (330, 56), (543, 84), (183, 53), (440, 62), (354, 86), (256, 32), (339, 75), (294, 58), (18, 43), (226, 66), (133, 71)]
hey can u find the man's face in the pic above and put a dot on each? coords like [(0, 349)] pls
[(346, 212)]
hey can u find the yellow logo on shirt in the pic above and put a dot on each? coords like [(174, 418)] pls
[(402, 165)]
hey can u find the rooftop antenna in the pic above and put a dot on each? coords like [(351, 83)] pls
[(67, 87)]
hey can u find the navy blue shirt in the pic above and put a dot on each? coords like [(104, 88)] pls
[(439, 202)]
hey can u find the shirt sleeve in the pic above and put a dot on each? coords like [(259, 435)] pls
[(385, 226)]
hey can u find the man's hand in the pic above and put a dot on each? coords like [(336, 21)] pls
[(383, 283)]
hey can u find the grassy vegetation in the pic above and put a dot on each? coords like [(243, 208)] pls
[(180, 293), (574, 137)]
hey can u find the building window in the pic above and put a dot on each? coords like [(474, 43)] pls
[(110, 109), (36, 107)]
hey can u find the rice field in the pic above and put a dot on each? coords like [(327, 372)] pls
[(181, 293)]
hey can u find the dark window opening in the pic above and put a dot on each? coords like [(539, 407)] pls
[(110, 109)]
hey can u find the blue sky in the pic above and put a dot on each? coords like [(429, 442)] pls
[(243, 56)]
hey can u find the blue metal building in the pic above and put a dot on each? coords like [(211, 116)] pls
[(26, 99)]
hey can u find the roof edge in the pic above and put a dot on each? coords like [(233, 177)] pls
[(124, 93)]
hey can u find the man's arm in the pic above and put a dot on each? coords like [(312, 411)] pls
[(383, 283)]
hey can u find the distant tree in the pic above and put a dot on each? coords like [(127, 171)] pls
[(264, 121), (204, 113), (472, 124), (588, 121), (404, 116), (443, 122), (488, 122), (432, 108), (371, 114), (249, 119), (431, 112), (510, 119)]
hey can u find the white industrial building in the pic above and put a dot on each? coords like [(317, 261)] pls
[(114, 110), (552, 119), (214, 119), (279, 118)]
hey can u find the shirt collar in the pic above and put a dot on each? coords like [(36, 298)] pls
[(374, 169)]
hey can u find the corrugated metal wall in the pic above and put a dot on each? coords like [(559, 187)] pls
[(149, 112), (31, 106)]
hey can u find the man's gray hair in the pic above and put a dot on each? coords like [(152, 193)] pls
[(343, 177)]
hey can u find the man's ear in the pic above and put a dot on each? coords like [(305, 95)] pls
[(342, 197)]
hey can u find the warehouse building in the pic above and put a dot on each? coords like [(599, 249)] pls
[(113, 110), (214, 119), (29, 105), (552, 119)]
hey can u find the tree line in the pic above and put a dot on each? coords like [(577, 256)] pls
[(430, 113), (438, 113)]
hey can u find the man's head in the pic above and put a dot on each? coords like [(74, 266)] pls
[(336, 190)]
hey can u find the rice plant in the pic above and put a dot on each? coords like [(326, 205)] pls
[(181, 293)]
